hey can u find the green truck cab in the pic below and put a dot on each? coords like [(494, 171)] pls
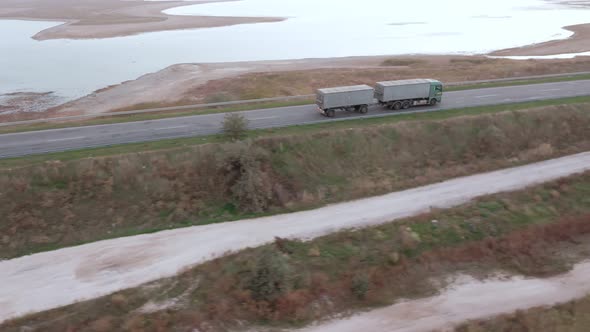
[(436, 91)]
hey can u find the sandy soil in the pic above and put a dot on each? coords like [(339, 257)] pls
[(47, 280), (111, 18), (465, 300), (578, 43)]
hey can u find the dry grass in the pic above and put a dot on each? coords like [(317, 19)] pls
[(573, 316), (446, 69), (291, 282), (64, 203)]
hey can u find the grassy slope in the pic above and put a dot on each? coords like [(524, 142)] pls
[(290, 283), (59, 204)]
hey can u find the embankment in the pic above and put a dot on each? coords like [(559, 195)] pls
[(59, 204), (540, 231)]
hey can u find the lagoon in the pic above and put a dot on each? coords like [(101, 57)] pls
[(314, 29)]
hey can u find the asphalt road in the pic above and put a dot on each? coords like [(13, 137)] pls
[(54, 140)]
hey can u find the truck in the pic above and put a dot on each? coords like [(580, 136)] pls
[(349, 98), (403, 94)]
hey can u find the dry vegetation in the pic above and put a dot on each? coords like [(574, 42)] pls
[(573, 316), (64, 203), (447, 69), (289, 283)]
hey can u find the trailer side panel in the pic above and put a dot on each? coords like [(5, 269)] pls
[(402, 90), (345, 96)]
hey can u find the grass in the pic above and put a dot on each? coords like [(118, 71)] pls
[(573, 316), (445, 69), (291, 130), (63, 203), (289, 283), (114, 118)]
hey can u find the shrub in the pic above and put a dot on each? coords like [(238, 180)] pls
[(235, 126), (248, 184), (360, 285), (272, 276)]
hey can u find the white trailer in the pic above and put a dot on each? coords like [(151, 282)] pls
[(350, 98)]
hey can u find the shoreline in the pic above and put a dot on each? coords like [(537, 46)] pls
[(579, 42), (115, 18)]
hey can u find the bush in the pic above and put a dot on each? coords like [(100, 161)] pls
[(235, 126), (271, 277), (360, 285), (248, 184)]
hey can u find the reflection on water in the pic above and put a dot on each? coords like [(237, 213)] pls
[(316, 28)]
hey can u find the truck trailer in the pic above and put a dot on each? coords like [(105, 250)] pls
[(395, 95), (349, 98), (404, 94)]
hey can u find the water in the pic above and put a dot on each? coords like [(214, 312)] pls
[(315, 28)]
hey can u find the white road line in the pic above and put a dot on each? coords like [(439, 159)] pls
[(550, 90), (486, 96), (264, 118), (166, 128), (66, 139)]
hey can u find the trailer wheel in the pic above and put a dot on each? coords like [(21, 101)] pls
[(330, 113), (432, 102), (364, 109), (397, 105), (406, 105)]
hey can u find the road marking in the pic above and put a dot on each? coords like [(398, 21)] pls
[(486, 96), (264, 118), (177, 127), (507, 99), (65, 139), (550, 90)]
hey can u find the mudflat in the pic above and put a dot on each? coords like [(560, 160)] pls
[(86, 19)]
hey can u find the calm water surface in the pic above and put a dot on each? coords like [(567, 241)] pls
[(315, 28)]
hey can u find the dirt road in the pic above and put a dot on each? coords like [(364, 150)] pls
[(48, 280), (465, 300)]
